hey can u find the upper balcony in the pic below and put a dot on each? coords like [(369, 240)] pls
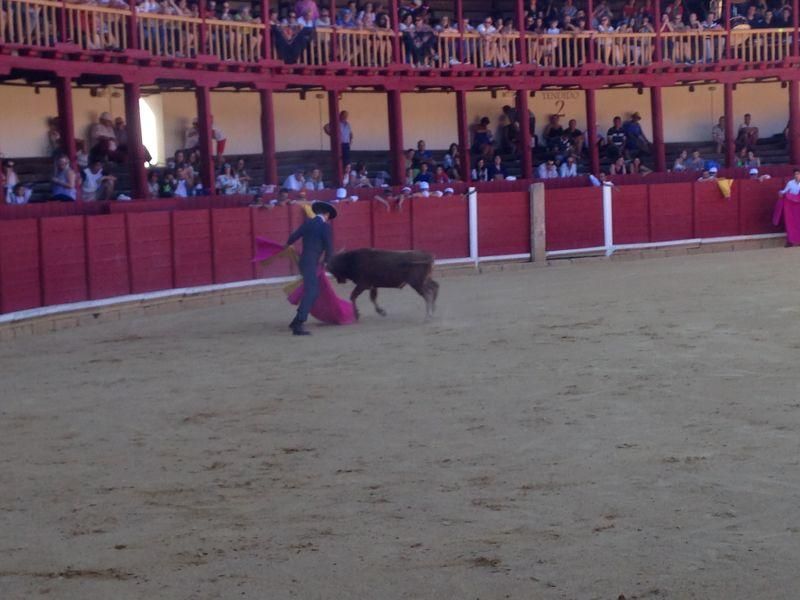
[(94, 34)]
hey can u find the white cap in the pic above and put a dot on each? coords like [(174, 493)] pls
[(753, 171), (353, 198), (438, 193), (424, 185), (425, 193), (713, 170), (449, 190), (511, 178), (406, 190), (341, 194)]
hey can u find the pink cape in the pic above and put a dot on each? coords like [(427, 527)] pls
[(266, 249), (328, 308), (788, 207)]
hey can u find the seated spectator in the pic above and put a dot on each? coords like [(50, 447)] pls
[(568, 168), (19, 195), (81, 156), (423, 154), (635, 140), (103, 140), (497, 170), (441, 176), (696, 163), (296, 181), (64, 181), (243, 175), (410, 175), (754, 175), (96, 185), (424, 174), (507, 136), (638, 168), (751, 160), (153, 184), (228, 182), (362, 176), (616, 140), (718, 134), (680, 162), (452, 161), (183, 188), (548, 169), (480, 172), (410, 158), (748, 134), (314, 181), (575, 136), (348, 176), (618, 167)]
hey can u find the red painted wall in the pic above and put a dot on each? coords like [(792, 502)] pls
[(504, 225), (63, 259), (574, 218), (107, 254), (19, 265)]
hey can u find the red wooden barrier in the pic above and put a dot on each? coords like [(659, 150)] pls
[(715, 215), (107, 255), (63, 259), (574, 218), (631, 210), (273, 224), (149, 251), (232, 244), (191, 248), (504, 223), (19, 265), (441, 226), (757, 201), (353, 227), (392, 229), (671, 212)]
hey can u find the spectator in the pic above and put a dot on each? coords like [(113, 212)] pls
[(440, 176), (96, 184), (103, 139), (121, 133), (19, 195), (191, 138), (423, 154), (228, 182), (345, 135), (54, 141), (362, 176), (638, 168), (153, 184), (696, 163), (183, 188), (81, 156), (497, 171), (568, 168), (618, 167), (314, 181), (348, 176), (635, 140), (718, 134), (616, 140), (452, 162), (64, 181), (707, 175), (680, 162), (480, 172), (482, 139), (243, 175), (552, 132), (424, 174), (575, 136), (548, 170), (296, 181), (748, 134), (9, 177), (409, 178)]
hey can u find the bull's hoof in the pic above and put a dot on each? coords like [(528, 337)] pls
[(381, 312)]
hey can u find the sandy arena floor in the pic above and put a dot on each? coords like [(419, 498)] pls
[(579, 431)]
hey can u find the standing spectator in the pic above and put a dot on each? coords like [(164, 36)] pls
[(696, 163), (718, 134), (483, 139), (552, 132), (243, 175), (296, 181), (616, 140), (121, 133), (345, 135), (548, 170), (9, 177), (54, 141), (748, 133), (423, 154), (191, 138), (81, 156), (64, 181), (569, 168), (103, 139), (96, 184), (575, 136), (635, 140)]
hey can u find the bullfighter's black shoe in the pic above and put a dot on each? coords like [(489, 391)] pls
[(298, 328)]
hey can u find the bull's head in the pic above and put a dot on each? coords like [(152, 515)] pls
[(338, 266)]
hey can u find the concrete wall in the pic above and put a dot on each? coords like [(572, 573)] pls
[(428, 116)]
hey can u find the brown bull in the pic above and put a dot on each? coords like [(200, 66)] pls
[(372, 269)]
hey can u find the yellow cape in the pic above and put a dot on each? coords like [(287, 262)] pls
[(725, 186)]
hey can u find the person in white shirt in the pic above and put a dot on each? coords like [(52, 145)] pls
[(227, 181), (569, 168), (296, 181), (181, 186), (96, 185), (314, 182), (789, 208), (19, 195), (548, 170), (192, 138), (103, 138)]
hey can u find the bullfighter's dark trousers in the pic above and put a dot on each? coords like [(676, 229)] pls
[(310, 290)]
